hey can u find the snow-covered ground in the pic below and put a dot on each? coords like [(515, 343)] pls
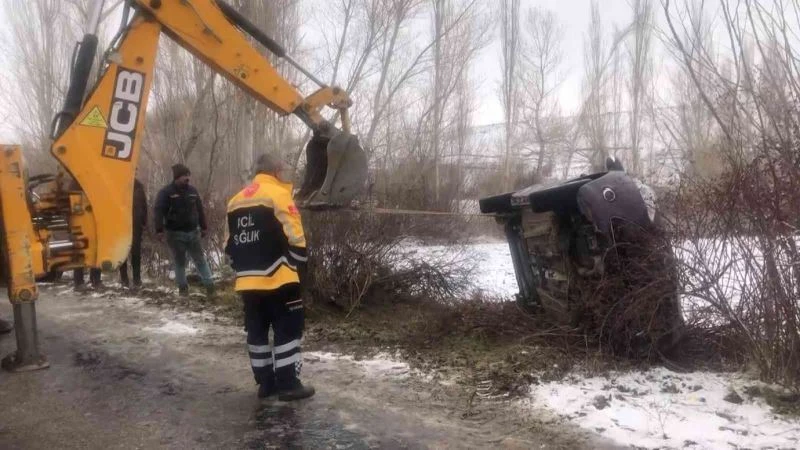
[(490, 263), (653, 409), (173, 327), (494, 273), (663, 409), (650, 410), (381, 365)]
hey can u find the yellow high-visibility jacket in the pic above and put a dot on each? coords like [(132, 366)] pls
[(265, 239)]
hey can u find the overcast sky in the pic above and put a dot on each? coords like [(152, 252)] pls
[(574, 16)]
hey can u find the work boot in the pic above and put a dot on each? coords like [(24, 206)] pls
[(266, 390), (183, 290), (298, 392), (210, 291), (5, 326)]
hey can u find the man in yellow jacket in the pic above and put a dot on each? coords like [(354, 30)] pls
[(267, 249)]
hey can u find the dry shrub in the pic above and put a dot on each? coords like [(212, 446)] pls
[(157, 257), (356, 254), (633, 309), (740, 263), (361, 257)]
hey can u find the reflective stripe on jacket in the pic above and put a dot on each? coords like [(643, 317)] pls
[(265, 238)]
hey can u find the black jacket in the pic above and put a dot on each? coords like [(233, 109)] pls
[(179, 209)]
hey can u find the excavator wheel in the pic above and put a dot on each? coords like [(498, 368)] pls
[(336, 171)]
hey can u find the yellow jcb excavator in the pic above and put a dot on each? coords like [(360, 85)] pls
[(81, 215)]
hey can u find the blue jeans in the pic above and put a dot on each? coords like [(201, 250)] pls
[(181, 243)]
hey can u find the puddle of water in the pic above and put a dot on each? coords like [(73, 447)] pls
[(290, 426)]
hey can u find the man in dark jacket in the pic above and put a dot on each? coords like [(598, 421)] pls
[(179, 211), (139, 223)]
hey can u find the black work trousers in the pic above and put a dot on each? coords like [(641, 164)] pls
[(278, 363), (135, 258), (94, 277)]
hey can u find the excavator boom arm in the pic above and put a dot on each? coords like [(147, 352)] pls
[(97, 137), (100, 149), (202, 28)]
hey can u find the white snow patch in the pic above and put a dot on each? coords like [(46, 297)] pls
[(646, 412), (132, 301), (173, 327), (493, 271), (200, 316), (382, 364), (80, 315)]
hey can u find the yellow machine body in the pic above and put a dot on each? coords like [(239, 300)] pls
[(99, 151)]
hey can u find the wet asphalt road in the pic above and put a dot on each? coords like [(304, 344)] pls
[(125, 375)]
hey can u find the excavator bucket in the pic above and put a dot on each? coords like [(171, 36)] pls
[(336, 170)]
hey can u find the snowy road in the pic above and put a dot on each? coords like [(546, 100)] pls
[(126, 375)]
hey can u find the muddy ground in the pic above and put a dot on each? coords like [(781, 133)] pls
[(128, 373)]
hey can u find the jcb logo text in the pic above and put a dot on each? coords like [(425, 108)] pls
[(124, 114)]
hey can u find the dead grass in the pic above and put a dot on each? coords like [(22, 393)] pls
[(480, 341), (783, 402)]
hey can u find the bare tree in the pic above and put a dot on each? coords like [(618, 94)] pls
[(265, 130), (352, 36), (748, 85), (39, 64), (398, 125), (510, 47), (640, 61), (540, 79), (176, 125), (592, 122), (455, 47), (465, 103), (441, 8), (595, 82), (689, 129), (402, 11)]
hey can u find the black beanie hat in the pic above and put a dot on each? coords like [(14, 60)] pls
[(179, 170)]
